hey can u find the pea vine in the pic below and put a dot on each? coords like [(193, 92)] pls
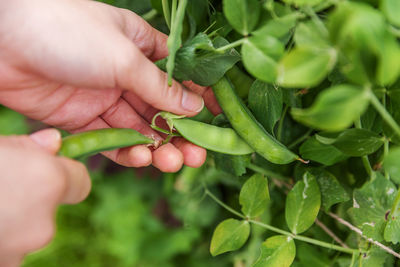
[(297, 79)]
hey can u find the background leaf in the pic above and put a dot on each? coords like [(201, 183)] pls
[(334, 109), (197, 61), (302, 204), (254, 196), (242, 14), (332, 192), (358, 142), (391, 9), (229, 235), (266, 103), (260, 54), (305, 67), (321, 153), (276, 251), (371, 203)]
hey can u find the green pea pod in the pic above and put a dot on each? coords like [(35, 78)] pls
[(248, 128), (218, 139), (92, 142)]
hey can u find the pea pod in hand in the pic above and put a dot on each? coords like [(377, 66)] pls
[(218, 139), (248, 128), (92, 142)]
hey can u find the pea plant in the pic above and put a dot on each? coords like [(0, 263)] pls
[(309, 134)]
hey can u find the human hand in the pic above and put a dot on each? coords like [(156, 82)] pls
[(33, 183), (82, 65)]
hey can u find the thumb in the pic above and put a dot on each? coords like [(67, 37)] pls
[(49, 139), (141, 76)]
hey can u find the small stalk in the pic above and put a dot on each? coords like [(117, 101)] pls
[(280, 125), (300, 139), (234, 44), (384, 113), (149, 15), (365, 159), (167, 13)]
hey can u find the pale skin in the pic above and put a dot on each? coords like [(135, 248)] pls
[(78, 65)]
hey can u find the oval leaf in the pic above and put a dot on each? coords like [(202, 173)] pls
[(302, 204), (254, 195), (266, 103), (278, 250), (325, 154), (358, 142), (334, 109), (229, 235), (242, 14), (260, 54), (305, 66)]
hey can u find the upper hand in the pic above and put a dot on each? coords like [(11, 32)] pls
[(81, 65)]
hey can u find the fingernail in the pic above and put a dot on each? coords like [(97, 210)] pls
[(192, 102), (50, 139)]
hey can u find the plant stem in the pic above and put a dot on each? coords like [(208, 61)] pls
[(149, 15), (234, 44), (359, 232), (280, 231), (222, 204), (385, 153), (280, 125), (300, 139), (365, 159), (173, 11), (167, 13), (384, 113), (266, 172)]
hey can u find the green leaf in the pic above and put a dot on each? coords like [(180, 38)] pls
[(334, 109), (371, 204), (254, 196), (372, 258), (392, 229), (278, 250), (260, 54), (266, 103), (391, 9), (391, 164), (369, 51), (308, 34), (233, 164), (305, 66), (321, 153), (303, 2), (198, 61), (280, 27), (229, 235), (302, 204), (358, 142), (242, 14), (332, 191)]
